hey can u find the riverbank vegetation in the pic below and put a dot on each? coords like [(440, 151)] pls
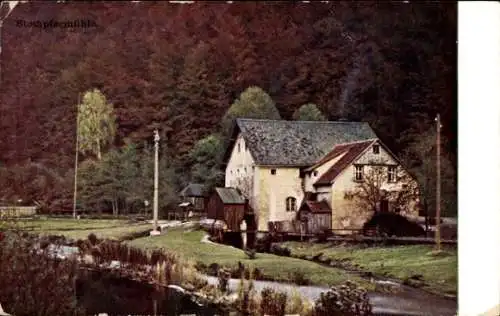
[(211, 257), (414, 265), (34, 282), (187, 244)]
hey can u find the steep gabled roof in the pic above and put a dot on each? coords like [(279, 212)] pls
[(296, 143), (337, 151), (194, 190), (230, 196), (351, 151)]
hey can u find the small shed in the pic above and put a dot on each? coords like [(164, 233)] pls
[(197, 195), (228, 205), (316, 215)]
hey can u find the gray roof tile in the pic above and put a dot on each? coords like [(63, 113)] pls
[(298, 143), (194, 190), (230, 196)]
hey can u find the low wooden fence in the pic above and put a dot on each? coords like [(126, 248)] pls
[(391, 240), (353, 238), (17, 211)]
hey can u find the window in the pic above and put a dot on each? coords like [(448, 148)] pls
[(376, 149), (315, 173), (391, 176), (358, 173), (239, 148), (245, 169), (291, 204), (273, 171)]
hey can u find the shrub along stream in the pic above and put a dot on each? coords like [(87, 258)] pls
[(111, 275)]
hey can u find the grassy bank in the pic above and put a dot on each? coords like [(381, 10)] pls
[(80, 229), (437, 273), (189, 246)]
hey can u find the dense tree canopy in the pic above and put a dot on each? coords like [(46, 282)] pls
[(252, 103), (308, 112), (182, 67)]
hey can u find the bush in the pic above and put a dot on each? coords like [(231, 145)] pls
[(223, 278), (299, 278), (273, 302), (280, 251), (264, 244), (392, 224), (296, 305), (33, 282), (344, 300)]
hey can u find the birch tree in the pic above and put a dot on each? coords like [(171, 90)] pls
[(96, 123)]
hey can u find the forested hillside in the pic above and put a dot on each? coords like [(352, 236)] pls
[(179, 67)]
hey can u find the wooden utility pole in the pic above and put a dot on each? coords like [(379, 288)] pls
[(438, 183), (155, 201), (76, 157)]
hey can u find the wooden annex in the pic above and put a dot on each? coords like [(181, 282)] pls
[(315, 217), (197, 196), (228, 205)]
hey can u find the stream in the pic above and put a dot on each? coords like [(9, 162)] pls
[(405, 303), (409, 301)]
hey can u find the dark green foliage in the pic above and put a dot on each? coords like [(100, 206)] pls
[(420, 157), (273, 302), (300, 278), (252, 103), (343, 300), (264, 244), (309, 112), (206, 158), (391, 224), (123, 179)]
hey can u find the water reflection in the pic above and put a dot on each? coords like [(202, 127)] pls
[(101, 293)]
